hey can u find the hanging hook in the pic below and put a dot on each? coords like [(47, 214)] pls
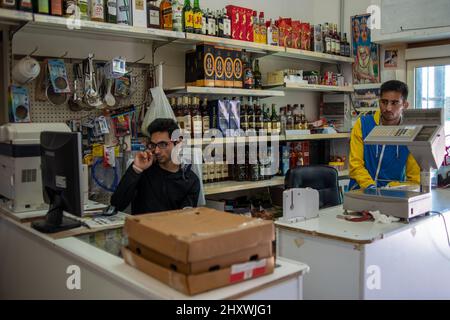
[(34, 51)]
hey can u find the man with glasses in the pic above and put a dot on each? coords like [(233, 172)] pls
[(375, 166), (154, 183)]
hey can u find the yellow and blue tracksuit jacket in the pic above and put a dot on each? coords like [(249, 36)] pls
[(397, 163)]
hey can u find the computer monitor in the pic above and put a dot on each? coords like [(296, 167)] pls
[(61, 180)]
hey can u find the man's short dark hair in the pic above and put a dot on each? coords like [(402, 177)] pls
[(162, 125), (397, 86)]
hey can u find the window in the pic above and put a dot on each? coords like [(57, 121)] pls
[(429, 83)]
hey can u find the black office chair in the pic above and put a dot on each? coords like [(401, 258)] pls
[(320, 177)]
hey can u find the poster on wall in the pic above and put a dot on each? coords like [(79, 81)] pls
[(390, 58), (366, 68)]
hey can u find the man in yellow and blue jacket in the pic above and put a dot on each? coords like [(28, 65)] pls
[(375, 166)]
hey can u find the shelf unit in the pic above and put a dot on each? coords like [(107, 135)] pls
[(314, 56), (318, 136), (232, 186), (61, 25), (367, 86), (309, 87), (12, 17), (224, 92)]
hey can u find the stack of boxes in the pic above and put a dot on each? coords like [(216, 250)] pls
[(197, 250), (214, 66)]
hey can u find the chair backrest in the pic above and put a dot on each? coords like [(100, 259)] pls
[(320, 177)]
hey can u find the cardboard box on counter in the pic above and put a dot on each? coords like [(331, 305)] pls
[(198, 234), (198, 283), (258, 252)]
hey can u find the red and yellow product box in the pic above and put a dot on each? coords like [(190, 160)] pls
[(305, 43), (296, 34), (236, 20), (285, 29), (249, 32)]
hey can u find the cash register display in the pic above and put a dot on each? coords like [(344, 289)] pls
[(426, 133)]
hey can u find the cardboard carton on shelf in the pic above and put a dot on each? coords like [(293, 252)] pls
[(198, 234)]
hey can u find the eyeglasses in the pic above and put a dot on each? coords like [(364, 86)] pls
[(161, 145), (395, 103)]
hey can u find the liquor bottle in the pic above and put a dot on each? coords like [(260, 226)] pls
[(243, 116), (256, 32), (251, 118), (205, 116), (84, 9), (273, 34), (153, 18), (290, 124), (342, 46), (262, 28), (43, 6), (97, 13), (347, 46), (226, 24), (257, 76), (304, 123), (283, 120), (216, 17), (259, 118), (177, 16), (211, 24), (275, 120), (220, 28), (179, 113), (187, 116), (337, 41), (111, 11), (165, 14), (267, 123), (248, 80), (198, 16), (124, 12), (56, 7), (188, 17), (328, 41), (205, 22), (297, 120), (332, 39), (197, 119)]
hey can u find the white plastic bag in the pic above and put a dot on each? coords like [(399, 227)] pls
[(159, 108)]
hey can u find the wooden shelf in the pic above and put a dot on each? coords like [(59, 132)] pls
[(309, 87), (8, 16), (232, 186), (367, 86), (225, 92), (192, 38), (67, 26), (319, 136), (314, 56)]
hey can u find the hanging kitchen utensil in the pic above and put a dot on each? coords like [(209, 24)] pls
[(53, 97), (91, 96), (74, 100), (41, 83), (109, 98), (26, 70)]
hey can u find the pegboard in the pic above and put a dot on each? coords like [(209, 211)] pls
[(44, 111)]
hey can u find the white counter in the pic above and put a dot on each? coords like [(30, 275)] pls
[(34, 266), (367, 260)]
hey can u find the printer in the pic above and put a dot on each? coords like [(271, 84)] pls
[(20, 165)]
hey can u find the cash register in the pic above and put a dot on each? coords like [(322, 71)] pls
[(422, 131)]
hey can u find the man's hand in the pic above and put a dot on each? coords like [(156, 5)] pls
[(143, 160)]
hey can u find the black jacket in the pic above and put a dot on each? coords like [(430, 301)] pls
[(156, 190)]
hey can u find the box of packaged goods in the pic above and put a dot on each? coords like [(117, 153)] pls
[(219, 115), (285, 28), (237, 69), (305, 43), (275, 77), (248, 25), (219, 66), (296, 34), (235, 120), (196, 250), (299, 154), (190, 69), (236, 20), (205, 65), (229, 67)]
